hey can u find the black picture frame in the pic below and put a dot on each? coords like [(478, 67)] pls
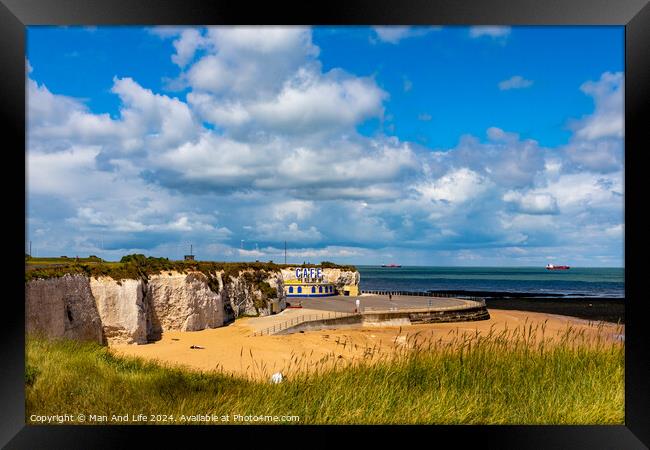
[(15, 15)]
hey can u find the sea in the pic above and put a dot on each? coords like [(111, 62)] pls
[(577, 282)]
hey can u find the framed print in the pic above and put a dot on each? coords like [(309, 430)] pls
[(361, 214)]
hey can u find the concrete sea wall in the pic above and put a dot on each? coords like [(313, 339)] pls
[(392, 318)]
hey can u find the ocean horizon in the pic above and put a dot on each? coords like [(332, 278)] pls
[(605, 282)]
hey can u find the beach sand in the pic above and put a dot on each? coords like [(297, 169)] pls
[(233, 349)]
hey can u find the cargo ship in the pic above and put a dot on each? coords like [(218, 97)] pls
[(391, 265), (552, 267)]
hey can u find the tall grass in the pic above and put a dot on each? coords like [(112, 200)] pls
[(517, 376)]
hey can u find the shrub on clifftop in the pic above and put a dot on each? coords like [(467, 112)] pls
[(138, 265), (141, 260)]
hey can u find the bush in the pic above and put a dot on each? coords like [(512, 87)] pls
[(141, 260), (31, 373), (268, 291)]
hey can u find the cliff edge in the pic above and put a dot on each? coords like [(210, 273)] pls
[(124, 308)]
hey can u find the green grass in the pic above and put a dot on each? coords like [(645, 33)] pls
[(59, 259), (495, 379)]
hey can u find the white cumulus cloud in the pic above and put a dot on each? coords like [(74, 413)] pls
[(515, 82), (532, 203), (490, 31), (281, 158), (395, 33)]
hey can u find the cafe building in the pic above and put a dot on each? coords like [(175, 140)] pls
[(309, 282)]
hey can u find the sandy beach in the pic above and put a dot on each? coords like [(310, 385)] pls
[(233, 349)]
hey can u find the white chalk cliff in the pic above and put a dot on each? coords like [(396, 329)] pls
[(121, 308), (137, 311), (182, 302)]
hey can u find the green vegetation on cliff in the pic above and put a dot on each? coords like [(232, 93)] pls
[(61, 260), (138, 265), (476, 381)]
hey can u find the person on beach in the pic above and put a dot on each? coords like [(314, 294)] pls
[(357, 303), (390, 296)]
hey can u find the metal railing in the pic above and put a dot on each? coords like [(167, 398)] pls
[(423, 294), (298, 320), (473, 304)]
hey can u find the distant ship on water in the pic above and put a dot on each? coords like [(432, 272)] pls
[(391, 265), (552, 267)]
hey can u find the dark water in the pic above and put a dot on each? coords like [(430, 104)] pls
[(501, 281)]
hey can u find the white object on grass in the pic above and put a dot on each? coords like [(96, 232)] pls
[(277, 378)]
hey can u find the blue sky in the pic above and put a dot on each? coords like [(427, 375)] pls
[(418, 145)]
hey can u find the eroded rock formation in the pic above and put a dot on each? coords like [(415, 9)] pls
[(137, 311), (182, 302), (121, 308), (62, 307)]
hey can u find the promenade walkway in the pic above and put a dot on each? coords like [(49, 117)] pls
[(375, 302)]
